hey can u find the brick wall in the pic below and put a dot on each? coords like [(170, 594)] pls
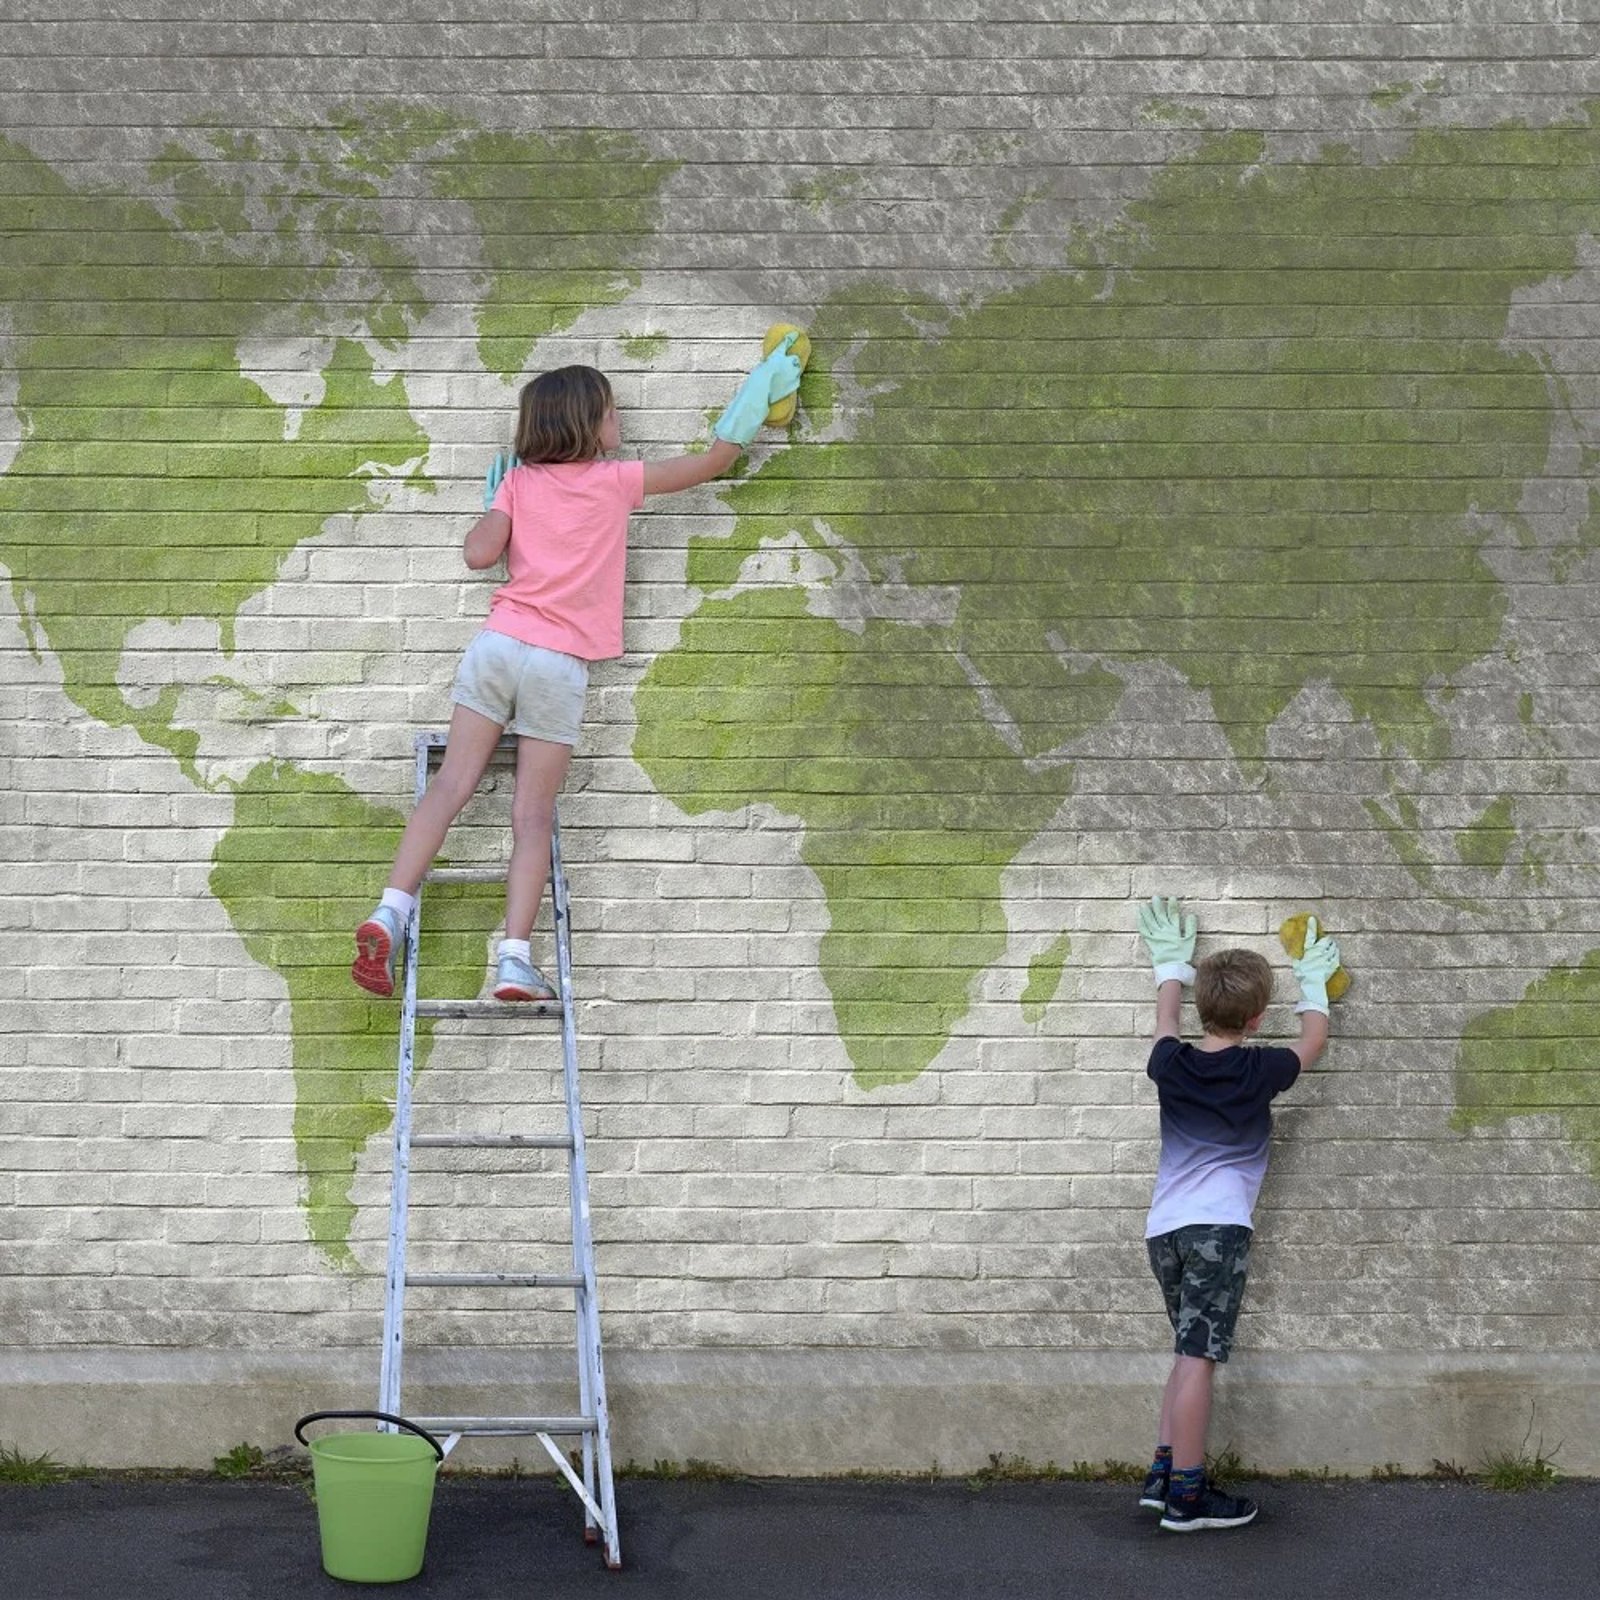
[(1191, 494)]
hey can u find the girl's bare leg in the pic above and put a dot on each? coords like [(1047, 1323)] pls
[(473, 738), (541, 770)]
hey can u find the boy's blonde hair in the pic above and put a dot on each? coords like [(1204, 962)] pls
[(1230, 989), (560, 414)]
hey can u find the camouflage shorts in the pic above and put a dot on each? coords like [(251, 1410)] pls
[(1201, 1270)]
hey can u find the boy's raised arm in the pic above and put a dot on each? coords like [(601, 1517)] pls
[(1312, 969), (1169, 937)]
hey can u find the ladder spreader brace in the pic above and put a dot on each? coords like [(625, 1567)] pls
[(591, 1424)]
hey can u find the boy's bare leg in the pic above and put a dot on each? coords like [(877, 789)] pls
[(1164, 1437), (472, 741), (541, 770), (1186, 1410)]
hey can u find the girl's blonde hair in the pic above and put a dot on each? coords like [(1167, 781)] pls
[(560, 414)]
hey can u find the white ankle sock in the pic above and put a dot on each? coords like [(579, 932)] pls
[(399, 900), (517, 947)]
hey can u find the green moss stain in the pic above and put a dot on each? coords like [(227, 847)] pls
[(565, 221), (826, 188), (1010, 221), (1257, 434), (1173, 113), (1389, 95), (1487, 841), (299, 868), (1538, 1058), (154, 479), (1403, 827), (1045, 972), (644, 347)]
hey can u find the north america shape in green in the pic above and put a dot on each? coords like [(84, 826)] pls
[(1257, 431), (154, 480)]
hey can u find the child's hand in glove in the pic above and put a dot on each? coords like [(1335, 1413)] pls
[(1169, 937), (777, 375), (1314, 968)]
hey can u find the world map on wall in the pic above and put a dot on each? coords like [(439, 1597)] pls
[(1273, 431)]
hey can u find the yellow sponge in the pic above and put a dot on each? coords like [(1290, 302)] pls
[(782, 414), (1293, 935)]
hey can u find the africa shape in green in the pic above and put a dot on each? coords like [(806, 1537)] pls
[(156, 481), (1258, 432)]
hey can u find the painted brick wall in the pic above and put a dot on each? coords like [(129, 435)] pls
[(1192, 494)]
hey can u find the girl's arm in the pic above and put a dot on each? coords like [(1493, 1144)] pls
[(487, 539), (679, 472)]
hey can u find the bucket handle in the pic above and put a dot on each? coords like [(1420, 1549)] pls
[(380, 1416)]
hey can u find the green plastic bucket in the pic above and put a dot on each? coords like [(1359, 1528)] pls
[(374, 1494)]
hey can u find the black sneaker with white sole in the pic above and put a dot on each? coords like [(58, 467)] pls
[(1153, 1497), (1211, 1508)]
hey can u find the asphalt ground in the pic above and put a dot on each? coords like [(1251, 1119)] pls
[(772, 1539)]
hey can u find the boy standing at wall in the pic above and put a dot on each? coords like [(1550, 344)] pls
[(1216, 1122)]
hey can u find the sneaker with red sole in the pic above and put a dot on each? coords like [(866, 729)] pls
[(377, 945)]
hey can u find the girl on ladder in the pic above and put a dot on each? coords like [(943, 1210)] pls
[(560, 517)]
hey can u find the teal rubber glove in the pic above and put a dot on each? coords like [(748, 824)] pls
[(1313, 969), (1169, 937), (503, 462), (774, 379)]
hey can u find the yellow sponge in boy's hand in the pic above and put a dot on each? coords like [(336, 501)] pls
[(1293, 935), (782, 414)]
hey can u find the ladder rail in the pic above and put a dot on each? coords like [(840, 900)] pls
[(591, 1371), (394, 1298)]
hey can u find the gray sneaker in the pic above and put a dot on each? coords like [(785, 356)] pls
[(516, 979), (377, 944)]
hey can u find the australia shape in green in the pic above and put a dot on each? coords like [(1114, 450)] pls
[(1539, 1057), (1258, 434)]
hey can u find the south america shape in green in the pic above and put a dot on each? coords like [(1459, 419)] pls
[(1257, 433)]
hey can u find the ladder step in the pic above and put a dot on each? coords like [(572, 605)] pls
[(465, 875), (506, 1425), (491, 1141), (529, 1010), (493, 1280)]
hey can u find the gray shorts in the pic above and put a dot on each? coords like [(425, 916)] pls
[(1202, 1270), (535, 692)]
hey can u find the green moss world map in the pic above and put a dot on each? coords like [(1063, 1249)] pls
[(1269, 399)]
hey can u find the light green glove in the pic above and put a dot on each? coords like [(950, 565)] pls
[(503, 462), (1313, 969), (1169, 937), (777, 376)]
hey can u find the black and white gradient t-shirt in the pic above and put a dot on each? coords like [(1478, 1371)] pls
[(1216, 1122)]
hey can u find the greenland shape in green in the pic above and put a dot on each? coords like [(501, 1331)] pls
[(1258, 434)]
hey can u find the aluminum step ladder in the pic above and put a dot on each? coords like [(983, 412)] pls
[(590, 1424)]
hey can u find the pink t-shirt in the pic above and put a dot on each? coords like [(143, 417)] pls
[(568, 554)]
